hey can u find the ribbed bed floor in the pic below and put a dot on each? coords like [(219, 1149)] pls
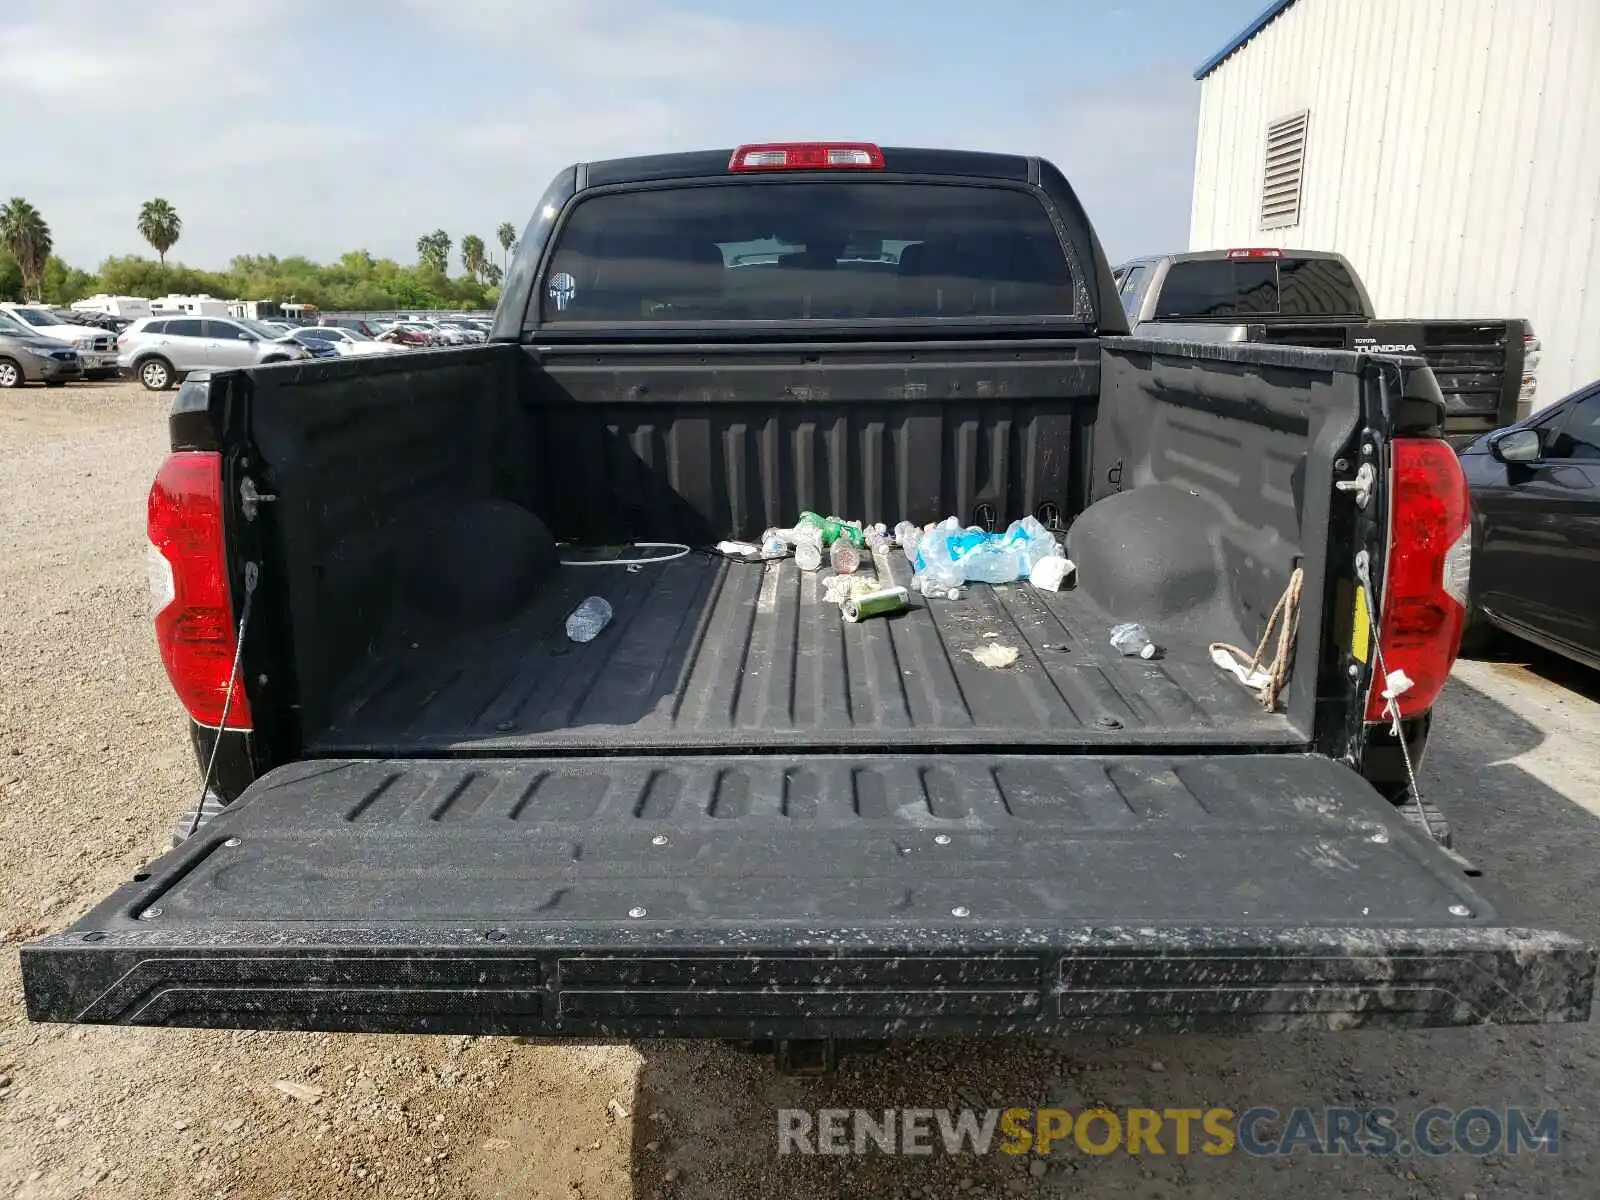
[(707, 653)]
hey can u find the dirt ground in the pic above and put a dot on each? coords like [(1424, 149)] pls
[(94, 764)]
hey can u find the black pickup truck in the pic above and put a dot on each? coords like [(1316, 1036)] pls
[(733, 814), (1487, 369)]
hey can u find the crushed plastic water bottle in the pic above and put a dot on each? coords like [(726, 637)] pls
[(585, 622), (1132, 640), (938, 568), (908, 535), (1035, 541), (994, 562), (844, 557), (808, 549)]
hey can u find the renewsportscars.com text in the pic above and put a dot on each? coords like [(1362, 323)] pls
[(1259, 1132)]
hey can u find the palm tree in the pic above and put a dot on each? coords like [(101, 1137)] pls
[(472, 255), (433, 250), (25, 234), (507, 233), (160, 225), (492, 274)]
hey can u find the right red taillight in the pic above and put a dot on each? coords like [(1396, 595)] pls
[(1425, 588), (189, 578)]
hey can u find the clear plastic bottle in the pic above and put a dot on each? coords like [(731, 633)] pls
[(1133, 640), (994, 562), (1035, 541), (808, 549), (909, 536), (585, 622), (938, 568)]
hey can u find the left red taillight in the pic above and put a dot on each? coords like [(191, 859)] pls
[(1425, 593), (194, 619)]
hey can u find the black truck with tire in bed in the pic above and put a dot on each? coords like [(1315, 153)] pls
[(732, 814)]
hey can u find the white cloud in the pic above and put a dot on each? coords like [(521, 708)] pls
[(215, 108), (455, 114), (636, 41), (86, 58)]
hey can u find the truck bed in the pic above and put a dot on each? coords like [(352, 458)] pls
[(706, 653)]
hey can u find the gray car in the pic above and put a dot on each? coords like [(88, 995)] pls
[(25, 357), (159, 351)]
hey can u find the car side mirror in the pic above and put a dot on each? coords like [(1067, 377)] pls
[(1518, 446)]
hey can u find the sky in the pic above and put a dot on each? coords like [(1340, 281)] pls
[(290, 127)]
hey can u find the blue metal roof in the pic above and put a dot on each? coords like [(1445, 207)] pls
[(1249, 31)]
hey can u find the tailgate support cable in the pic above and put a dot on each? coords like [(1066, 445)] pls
[(252, 575), (1394, 685)]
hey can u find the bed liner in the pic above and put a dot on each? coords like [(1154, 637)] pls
[(709, 654)]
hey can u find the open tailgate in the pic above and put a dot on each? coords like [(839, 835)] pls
[(864, 896)]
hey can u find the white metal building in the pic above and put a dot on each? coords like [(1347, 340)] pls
[(1449, 148)]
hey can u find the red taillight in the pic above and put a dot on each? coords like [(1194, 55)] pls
[(1256, 252), (807, 156), (1425, 592), (188, 574)]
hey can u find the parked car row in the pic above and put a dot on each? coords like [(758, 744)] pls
[(96, 348), (27, 357), (39, 344)]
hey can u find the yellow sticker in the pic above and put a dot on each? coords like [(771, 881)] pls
[(1361, 627)]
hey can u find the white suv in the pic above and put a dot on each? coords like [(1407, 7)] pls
[(97, 351), (158, 351)]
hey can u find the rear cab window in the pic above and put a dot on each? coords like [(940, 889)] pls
[(815, 250), (1258, 287)]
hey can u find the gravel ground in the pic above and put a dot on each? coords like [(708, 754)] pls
[(94, 765)]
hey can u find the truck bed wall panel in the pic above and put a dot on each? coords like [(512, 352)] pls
[(658, 446), (1233, 446), (358, 453)]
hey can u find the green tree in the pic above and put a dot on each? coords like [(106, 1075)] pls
[(507, 233), (473, 255), (62, 284), (160, 225), (433, 250), (492, 274), (25, 235), (10, 276)]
